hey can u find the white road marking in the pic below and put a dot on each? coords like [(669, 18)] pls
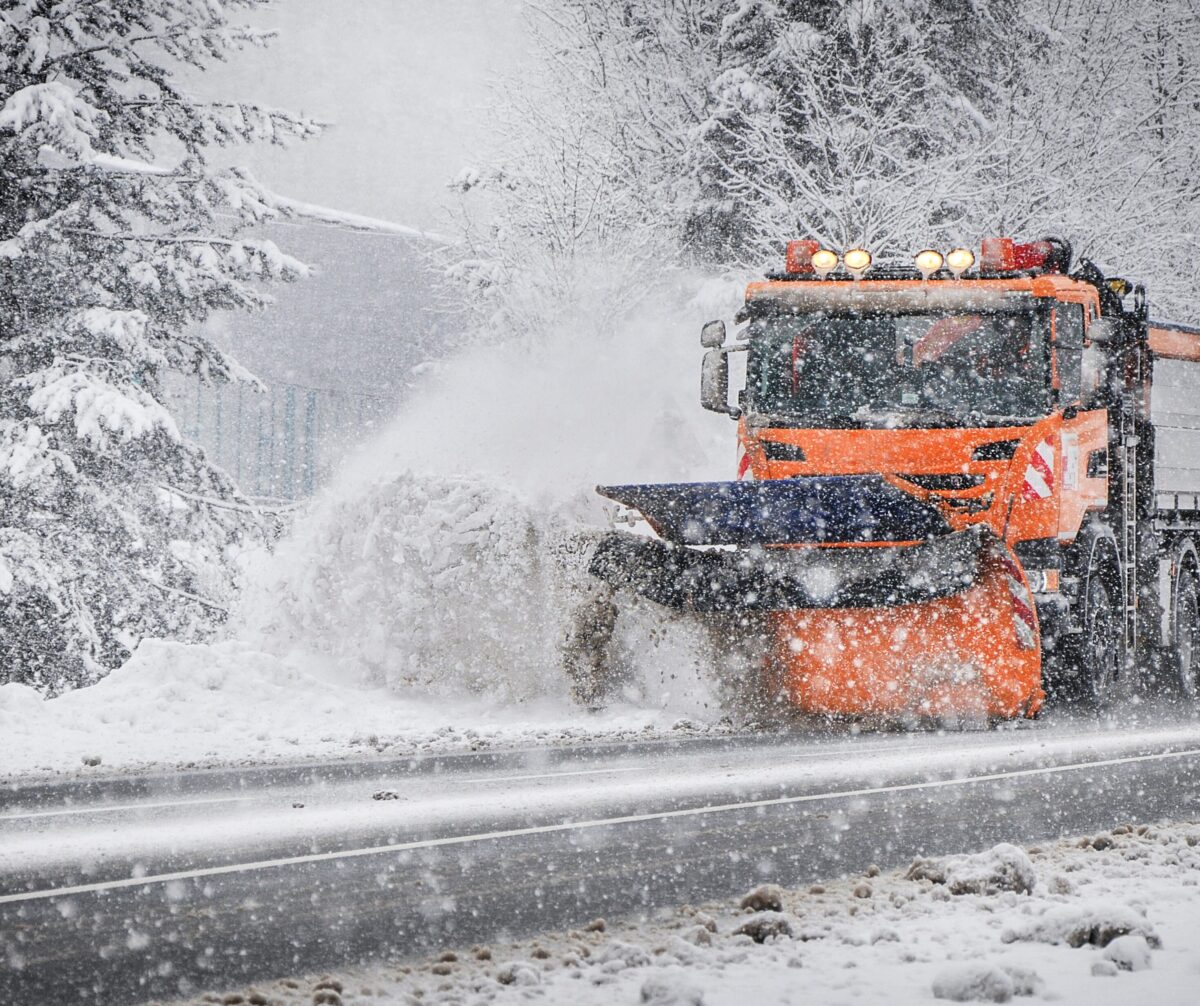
[(110, 808), (547, 775), (547, 829)]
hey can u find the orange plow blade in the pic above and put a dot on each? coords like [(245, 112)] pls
[(972, 654), (873, 606)]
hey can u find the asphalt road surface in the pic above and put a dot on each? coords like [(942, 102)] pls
[(142, 887)]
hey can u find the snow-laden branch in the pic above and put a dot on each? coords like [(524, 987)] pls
[(355, 221), (285, 204), (183, 593), (128, 165)]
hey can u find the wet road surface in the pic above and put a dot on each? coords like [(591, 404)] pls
[(140, 887)]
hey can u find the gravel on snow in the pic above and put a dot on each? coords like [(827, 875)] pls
[(1104, 920)]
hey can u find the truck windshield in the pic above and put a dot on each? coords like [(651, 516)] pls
[(900, 369)]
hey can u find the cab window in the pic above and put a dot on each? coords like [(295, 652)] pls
[(1068, 345)]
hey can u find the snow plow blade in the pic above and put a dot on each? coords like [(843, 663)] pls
[(875, 609), (812, 511), (975, 654)]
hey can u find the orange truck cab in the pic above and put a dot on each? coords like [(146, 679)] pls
[(958, 481)]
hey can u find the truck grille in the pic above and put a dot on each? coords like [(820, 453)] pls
[(955, 481), (776, 451)]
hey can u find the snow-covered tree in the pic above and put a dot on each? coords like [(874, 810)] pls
[(580, 200), (853, 121), (714, 130), (117, 237), (735, 124), (1096, 135)]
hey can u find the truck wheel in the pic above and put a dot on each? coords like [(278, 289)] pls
[(1187, 643), (1100, 653)]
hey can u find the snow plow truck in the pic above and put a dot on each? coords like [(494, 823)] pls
[(963, 483)]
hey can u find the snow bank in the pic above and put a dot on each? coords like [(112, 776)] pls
[(232, 703), (911, 942), (978, 981), (1130, 953), (229, 701), (1094, 923)]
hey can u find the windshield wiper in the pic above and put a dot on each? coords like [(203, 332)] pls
[(782, 421)]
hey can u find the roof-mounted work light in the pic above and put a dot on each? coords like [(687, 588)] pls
[(824, 261), (928, 262), (959, 261), (857, 262)]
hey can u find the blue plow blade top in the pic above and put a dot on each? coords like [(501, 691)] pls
[(807, 510)]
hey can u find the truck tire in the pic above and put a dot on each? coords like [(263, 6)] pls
[(1099, 665), (1085, 666), (1186, 651)]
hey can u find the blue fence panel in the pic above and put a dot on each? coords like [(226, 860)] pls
[(281, 443)]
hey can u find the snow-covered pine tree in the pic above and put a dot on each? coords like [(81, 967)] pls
[(116, 237)]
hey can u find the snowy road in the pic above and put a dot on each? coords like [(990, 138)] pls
[(145, 886)]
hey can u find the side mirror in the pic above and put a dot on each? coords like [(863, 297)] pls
[(1102, 332), (714, 382), (712, 335)]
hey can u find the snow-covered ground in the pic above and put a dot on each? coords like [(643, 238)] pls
[(230, 704), (1107, 920)]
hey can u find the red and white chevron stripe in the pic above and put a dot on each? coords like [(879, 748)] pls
[(1024, 619), (1039, 473)]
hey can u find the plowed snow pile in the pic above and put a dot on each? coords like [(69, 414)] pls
[(442, 584), (422, 601), (1108, 920)]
